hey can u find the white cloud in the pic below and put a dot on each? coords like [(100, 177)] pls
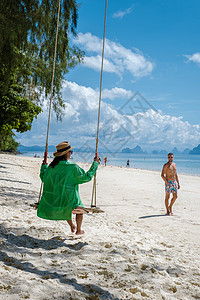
[(160, 129), (117, 59), (149, 129), (94, 62), (116, 93), (121, 13), (194, 57)]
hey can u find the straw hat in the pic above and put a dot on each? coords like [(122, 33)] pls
[(62, 149)]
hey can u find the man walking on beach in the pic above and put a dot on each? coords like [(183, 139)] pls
[(170, 177)]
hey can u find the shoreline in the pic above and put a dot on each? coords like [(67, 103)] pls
[(137, 169), (102, 164)]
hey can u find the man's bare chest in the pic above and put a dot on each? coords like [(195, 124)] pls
[(170, 169)]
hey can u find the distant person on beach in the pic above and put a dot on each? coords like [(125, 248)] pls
[(127, 163), (170, 177), (60, 192), (105, 160)]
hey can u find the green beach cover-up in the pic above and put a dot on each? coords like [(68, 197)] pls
[(60, 192)]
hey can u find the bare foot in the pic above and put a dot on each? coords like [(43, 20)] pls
[(73, 228), (168, 212), (80, 232)]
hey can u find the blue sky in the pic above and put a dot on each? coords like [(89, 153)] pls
[(152, 47)]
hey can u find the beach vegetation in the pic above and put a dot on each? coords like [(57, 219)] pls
[(16, 112), (27, 43)]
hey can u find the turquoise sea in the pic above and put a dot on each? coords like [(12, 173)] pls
[(186, 164)]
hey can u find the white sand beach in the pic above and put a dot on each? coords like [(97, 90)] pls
[(131, 251)]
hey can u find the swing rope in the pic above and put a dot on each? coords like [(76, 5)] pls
[(50, 104), (51, 95), (94, 192)]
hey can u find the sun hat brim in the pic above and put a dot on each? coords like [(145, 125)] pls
[(56, 153)]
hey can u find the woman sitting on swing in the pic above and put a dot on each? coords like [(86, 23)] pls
[(60, 192)]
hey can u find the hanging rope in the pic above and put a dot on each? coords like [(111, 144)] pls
[(51, 95), (94, 193), (52, 81)]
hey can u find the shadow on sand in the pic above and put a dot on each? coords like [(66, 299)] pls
[(153, 216), (16, 181), (90, 290), (30, 242)]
